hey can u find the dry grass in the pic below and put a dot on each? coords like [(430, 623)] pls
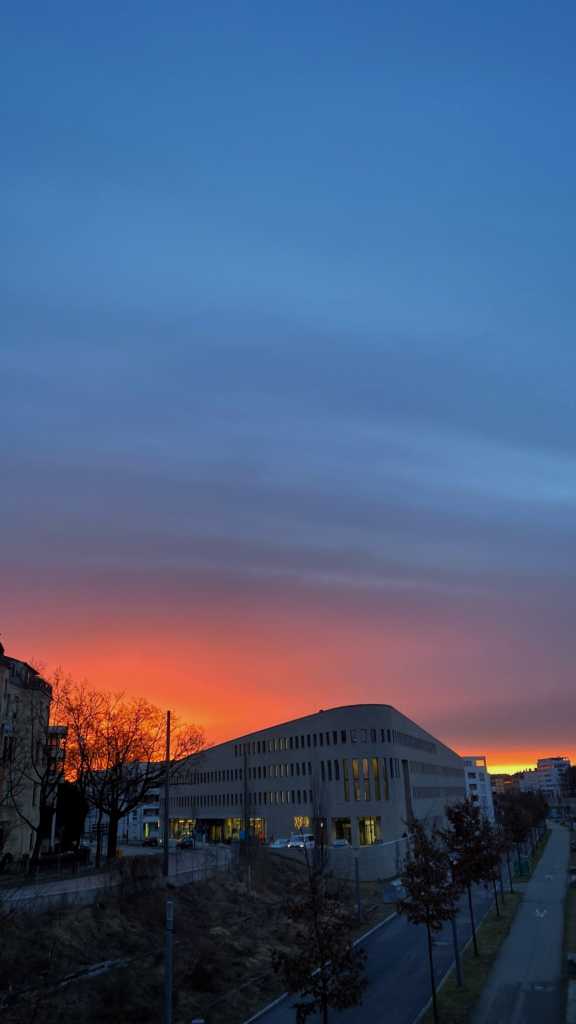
[(455, 1004), (223, 935)]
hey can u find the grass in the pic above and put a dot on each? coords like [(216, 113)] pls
[(224, 932), (455, 1004), (534, 860)]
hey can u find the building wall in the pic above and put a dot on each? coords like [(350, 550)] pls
[(478, 784), (24, 712), (364, 769), (547, 778)]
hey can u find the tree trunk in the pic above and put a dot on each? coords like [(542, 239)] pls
[(509, 870), (112, 845), (432, 978), (35, 855), (496, 897), (472, 921)]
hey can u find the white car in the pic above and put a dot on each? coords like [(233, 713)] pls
[(279, 844), (301, 842)]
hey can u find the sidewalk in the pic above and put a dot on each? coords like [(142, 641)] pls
[(524, 986)]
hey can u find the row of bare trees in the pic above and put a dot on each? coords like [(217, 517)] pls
[(444, 864), (114, 755)]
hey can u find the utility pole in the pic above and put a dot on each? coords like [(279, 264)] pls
[(168, 964), (166, 858)]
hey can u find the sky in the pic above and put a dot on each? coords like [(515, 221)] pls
[(287, 360)]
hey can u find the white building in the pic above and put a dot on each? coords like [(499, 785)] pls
[(478, 784), (137, 825), (359, 772), (548, 778)]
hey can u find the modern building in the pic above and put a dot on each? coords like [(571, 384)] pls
[(478, 785), (24, 714), (139, 824), (549, 778), (361, 771)]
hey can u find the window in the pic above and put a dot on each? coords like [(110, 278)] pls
[(388, 731), (327, 739), (353, 735), (329, 770), (334, 736), (337, 770), (322, 772), (366, 777), (369, 830), (373, 735), (346, 778), (314, 739), (356, 777), (309, 767), (309, 739), (296, 744), (291, 743), (376, 778), (343, 735)]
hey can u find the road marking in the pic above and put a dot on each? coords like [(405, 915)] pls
[(541, 913)]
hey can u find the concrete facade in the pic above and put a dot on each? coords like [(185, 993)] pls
[(478, 784), (360, 771)]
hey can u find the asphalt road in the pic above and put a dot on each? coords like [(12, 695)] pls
[(397, 971), (525, 984)]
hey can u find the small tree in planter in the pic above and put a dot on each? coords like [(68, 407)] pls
[(431, 897), (322, 967)]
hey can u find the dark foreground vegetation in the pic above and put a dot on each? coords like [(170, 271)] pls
[(225, 933)]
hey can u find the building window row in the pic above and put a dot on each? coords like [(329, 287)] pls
[(435, 792), (261, 797), (331, 737), (405, 739)]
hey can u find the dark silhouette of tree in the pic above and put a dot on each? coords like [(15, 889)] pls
[(322, 967), (465, 841), (431, 896), (71, 811), (116, 750)]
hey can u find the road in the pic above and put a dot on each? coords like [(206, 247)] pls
[(397, 971), (525, 984)]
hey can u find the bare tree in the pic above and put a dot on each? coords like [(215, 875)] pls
[(116, 750), (431, 897), (322, 967)]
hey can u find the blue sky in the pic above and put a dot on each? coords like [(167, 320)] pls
[(288, 316)]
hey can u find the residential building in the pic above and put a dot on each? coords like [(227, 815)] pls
[(24, 714), (137, 825), (549, 778), (361, 771), (478, 785)]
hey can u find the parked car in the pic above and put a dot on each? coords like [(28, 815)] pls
[(340, 844), (279, 844), (187, 843), (301, 842), (151, 841)]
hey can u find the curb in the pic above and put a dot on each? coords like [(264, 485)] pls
[(451, 968)]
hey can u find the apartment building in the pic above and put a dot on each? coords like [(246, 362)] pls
[(24, 713), (549, 778), (478, 784), (362, 771)]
